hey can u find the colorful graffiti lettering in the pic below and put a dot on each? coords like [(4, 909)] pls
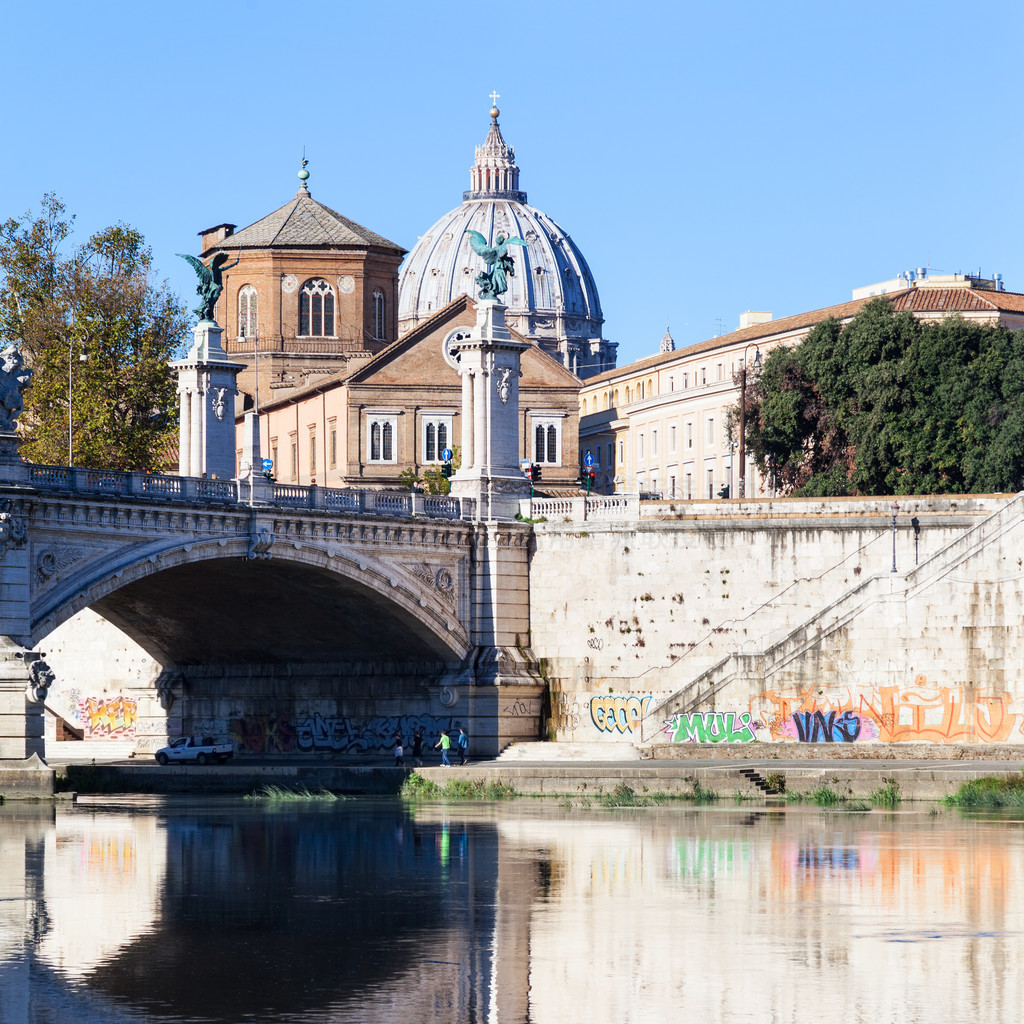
[(275, 734), (112, 717), (618, 714), (891, 714), (826, 727), (263, 734), (711, 727)]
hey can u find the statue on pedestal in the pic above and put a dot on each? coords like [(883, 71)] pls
[(14, 378), (493, 282), (210, 282)]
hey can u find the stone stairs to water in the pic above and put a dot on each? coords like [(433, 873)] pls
[(547, 752)]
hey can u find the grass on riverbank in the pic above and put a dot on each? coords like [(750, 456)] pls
[(282, 794), (418, 787), (990, 791), (625, 796)]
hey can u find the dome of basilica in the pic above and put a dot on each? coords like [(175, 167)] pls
[(552, 299)]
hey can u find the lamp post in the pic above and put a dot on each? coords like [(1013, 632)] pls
[(741, 491), (82, 357), (895, 512)]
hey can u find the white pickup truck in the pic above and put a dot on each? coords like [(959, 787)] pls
[(202, 750)]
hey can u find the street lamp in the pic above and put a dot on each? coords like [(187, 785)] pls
[(895, 512), (82, 357), (743, 415)]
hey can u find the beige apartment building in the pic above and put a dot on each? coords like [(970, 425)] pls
[(661, 426)]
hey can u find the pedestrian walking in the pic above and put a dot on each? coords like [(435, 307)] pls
[(444, 743), (399, 754), (462, 743), (417, 747)]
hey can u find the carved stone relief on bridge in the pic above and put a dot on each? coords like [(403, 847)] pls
[(53, 562), (440, 578), (13, 532)]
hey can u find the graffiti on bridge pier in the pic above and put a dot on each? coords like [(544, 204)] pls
[(276, 734), (826, 727), (112, 717)]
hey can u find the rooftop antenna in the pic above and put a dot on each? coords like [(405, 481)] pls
[(720, 325)]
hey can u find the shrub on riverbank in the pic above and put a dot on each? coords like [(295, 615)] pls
[(282, 794), (990, 791), (419, 787)]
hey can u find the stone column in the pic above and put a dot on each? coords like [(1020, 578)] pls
[(206, 383), (467, 419), (493, 478)]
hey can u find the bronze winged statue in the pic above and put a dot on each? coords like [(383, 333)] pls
[(500, 266), (210, 283)]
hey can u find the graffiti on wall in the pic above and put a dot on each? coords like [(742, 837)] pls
[(111, 717), (276, 734), (618, 714), (891, 714), (711, 727)]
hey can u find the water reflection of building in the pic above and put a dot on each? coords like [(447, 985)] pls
[(529, 912)]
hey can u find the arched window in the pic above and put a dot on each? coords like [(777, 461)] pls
[(248, 321), (378, 315), (316, 309)]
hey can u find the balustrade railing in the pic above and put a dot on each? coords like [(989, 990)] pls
[(610, 507), (212, 491)]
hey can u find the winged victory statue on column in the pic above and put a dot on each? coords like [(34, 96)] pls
[(500, 266)]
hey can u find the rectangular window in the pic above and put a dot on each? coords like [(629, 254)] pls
[(640, 446), (709, 434), (547, 440), (312, 454), (611, 456), (622, 452), (703, 375), (671, 486), (273, 456), (718, 371), (332, 427), (671, 383), (688, 487), (686, 381), (689, 435), (437, 435), (672, 438), (654, 443), (293, 444), (381, 432), (711, 483)]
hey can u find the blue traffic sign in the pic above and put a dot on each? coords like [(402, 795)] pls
[(268, 463), (588, 460), (446, 455)]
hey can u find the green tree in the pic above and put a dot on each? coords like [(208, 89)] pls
[(92, 324), (888, 404)]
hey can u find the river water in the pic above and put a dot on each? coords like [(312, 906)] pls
[(370, 911)]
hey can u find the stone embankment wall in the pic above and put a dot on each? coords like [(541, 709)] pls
[(624, 616)]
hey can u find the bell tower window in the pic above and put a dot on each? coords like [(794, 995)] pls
[(247, 312), (316, 309), (378, 315)]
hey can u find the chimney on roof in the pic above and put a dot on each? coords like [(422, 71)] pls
[(212, 237), (752, 318)]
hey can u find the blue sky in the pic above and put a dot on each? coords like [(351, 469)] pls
[(708, 158)]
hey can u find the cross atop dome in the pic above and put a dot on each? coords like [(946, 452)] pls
[(494, 174)]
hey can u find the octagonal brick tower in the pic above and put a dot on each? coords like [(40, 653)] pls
[(552, 299)]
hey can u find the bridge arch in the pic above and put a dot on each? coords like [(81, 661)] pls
[(223, 599)]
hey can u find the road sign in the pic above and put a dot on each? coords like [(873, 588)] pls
[(446, 455), (588, 459), (268, 464)]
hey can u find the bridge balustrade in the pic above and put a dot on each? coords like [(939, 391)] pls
[(203, 490), (599, 506)]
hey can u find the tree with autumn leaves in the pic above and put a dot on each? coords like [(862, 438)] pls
[(91, 323), (889, 404)]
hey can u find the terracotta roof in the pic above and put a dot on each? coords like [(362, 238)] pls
[(305, 222), (915, 300)]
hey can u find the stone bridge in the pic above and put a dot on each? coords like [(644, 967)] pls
[(295, 618)]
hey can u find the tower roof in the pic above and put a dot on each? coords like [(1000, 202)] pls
[(305, 222)]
